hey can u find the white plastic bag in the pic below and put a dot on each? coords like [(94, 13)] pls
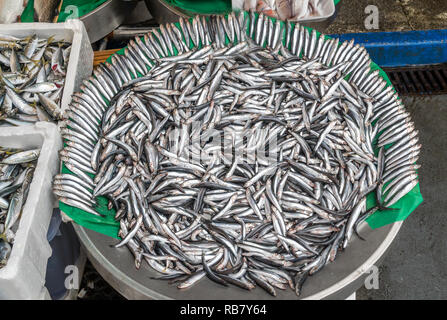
[(11, 10), (294, 10)]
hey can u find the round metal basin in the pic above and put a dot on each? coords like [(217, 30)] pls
[(164, 12), (337, 280), (106, 18)]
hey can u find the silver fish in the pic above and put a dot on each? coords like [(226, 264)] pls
[(16, 172), (32, 79)]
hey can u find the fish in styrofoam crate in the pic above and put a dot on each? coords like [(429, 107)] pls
[(41, 66), (22, 275), (17, 167)]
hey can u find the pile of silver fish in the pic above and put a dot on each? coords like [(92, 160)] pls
[(16, 173), (32, 77), (247, 163)]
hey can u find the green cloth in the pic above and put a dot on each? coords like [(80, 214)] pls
[(202, 6), (28, 12), (84, 7), (105, 225), (108, 226)]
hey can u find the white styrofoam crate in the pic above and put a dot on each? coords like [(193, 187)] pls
[(23, 277), (80, 64)]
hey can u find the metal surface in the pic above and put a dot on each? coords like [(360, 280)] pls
[(165, 13), (337, 280), (126, 33), (106, 18), (419, 80), (406, 48)]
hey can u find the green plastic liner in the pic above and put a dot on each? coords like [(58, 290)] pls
[(110, 227), (28, 12), (106, 225), (202, 6), (83, 6)]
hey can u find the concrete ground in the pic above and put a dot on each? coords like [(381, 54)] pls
[(394, 15), (416, 264)]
